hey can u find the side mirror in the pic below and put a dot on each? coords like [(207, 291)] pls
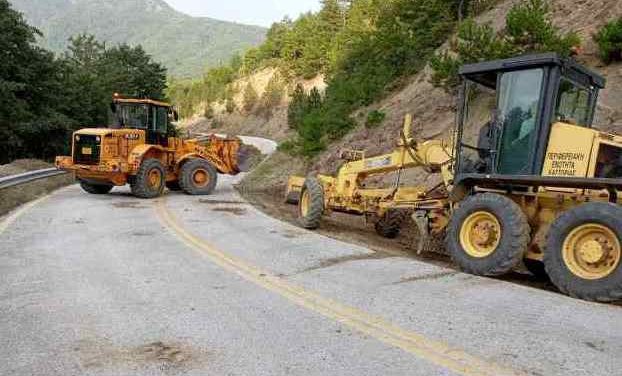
[(175, 115), (113, 107)]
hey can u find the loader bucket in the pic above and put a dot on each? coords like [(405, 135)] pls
[(294, 189), (248, 157)]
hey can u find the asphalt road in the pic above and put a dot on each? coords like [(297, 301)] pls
[(113, 285)]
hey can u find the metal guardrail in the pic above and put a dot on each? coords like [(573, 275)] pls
[(13, 180)]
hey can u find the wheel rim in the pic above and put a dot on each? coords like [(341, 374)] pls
[(480, 234), (591, 251), (304, 203), (155, 178), (200, 177)]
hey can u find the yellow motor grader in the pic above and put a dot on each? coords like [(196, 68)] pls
[(525, 178), (137, 150)]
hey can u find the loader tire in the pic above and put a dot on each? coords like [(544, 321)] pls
[(173, 186), (390, 224), (488, 235), (150, 180), (96, 189), (583, 255), (198, 177), (311, 204)]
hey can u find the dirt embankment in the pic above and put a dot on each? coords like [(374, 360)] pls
[(271, 123)]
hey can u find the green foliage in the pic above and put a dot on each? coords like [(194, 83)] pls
[(375, 118), (609, 40), (288, 146), (182, 43), (230, 106), (43, 99), (250, 98), (209, 112), (528, 29), (273, 95), (297, 107)]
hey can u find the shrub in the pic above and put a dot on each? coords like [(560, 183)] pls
[(288, 146), (209, 112), (609, 40), (217, 123), (530, 30), (230, 106), (375, 118)]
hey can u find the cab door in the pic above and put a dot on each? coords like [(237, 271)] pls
[(519, 102)]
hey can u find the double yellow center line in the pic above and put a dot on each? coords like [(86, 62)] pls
[(434, 351)]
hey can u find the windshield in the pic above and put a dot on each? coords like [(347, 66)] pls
[(573, 104), (519, 98), (132, 116), (477, 138)]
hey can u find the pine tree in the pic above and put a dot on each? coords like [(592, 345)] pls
[(297, 107), (250, 98)]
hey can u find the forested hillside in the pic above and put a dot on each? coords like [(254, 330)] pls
[(184, 44), (363, 47), (369, 50), (44, 98)]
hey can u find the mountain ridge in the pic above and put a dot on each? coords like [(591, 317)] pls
[(184, 44)]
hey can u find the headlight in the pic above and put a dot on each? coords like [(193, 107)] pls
[(98, 139), (77, 137)]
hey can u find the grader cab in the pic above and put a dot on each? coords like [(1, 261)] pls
[(526, 178), (139, 149)]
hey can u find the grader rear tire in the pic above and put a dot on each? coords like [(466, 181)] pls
[(583, 253), (390, 224), (488, 235), (150, 180), (198, 177), (311, 204), (96, 189)]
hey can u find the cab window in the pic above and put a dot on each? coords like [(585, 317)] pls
[(132, 116), (161, 119), (573, 104)]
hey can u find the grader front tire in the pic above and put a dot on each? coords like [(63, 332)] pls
[(583, 253), (311, 204), (149, 180), (488, 235)]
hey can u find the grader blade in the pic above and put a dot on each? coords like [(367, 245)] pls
[(294, 189)]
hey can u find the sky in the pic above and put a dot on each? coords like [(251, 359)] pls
[(252, 12)]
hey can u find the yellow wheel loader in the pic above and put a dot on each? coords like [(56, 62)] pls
[(137, 150), (525, 179)]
